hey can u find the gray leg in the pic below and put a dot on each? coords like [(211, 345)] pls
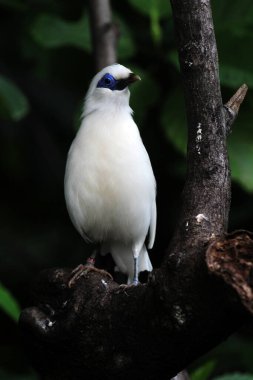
[(135, 279)]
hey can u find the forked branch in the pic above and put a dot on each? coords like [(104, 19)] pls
[(96, 329)]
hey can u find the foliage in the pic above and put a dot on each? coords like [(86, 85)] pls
[(156, 10), (13, 103), (204, 371), (51, 31), (46, 65), (8, 303), (235, 376)]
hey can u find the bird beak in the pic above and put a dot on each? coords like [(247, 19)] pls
[(123, 83), (133, 78)]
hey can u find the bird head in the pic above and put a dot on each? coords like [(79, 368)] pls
[(109, 88)]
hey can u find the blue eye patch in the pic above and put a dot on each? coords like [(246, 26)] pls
[(108, 81)]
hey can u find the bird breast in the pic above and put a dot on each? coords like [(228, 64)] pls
[(109, 182)]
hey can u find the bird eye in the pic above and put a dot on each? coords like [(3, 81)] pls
[(108, 81)]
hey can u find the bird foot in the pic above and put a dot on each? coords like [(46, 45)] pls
[(127, 286), (82, 270), (124, 287)]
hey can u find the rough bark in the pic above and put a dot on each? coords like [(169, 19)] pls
[(103, 32), (231, 259), (95, 329)]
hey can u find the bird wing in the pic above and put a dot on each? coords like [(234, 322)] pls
[(152, 226)]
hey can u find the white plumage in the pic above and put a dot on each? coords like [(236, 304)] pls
[(109, 183)]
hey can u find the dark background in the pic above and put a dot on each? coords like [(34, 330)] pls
[(45, 68)]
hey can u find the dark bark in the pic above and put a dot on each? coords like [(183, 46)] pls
[(95, 329), (103, 32), (231, 259), (207, 188)]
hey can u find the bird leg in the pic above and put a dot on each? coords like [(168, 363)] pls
[(135, 279), (82, 270), (90, 262)]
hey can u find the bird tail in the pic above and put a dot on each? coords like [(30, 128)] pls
[(144, 260)]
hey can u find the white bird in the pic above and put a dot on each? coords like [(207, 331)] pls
[(110, 187)]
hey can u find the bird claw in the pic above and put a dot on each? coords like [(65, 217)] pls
[(82, 270), (128, 286), (133, 284)]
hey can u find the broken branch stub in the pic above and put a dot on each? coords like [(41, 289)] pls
[(233, 105)]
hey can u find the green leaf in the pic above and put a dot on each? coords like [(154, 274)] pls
[(174, 120), (235, 376), (8, 303), (13, 103), (52, 32), (155, 10), (161, 7), (156, 30), (173, 59), (203, 372)]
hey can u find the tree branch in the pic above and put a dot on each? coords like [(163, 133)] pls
[(96, 329), (104, 33), (207, 188)]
